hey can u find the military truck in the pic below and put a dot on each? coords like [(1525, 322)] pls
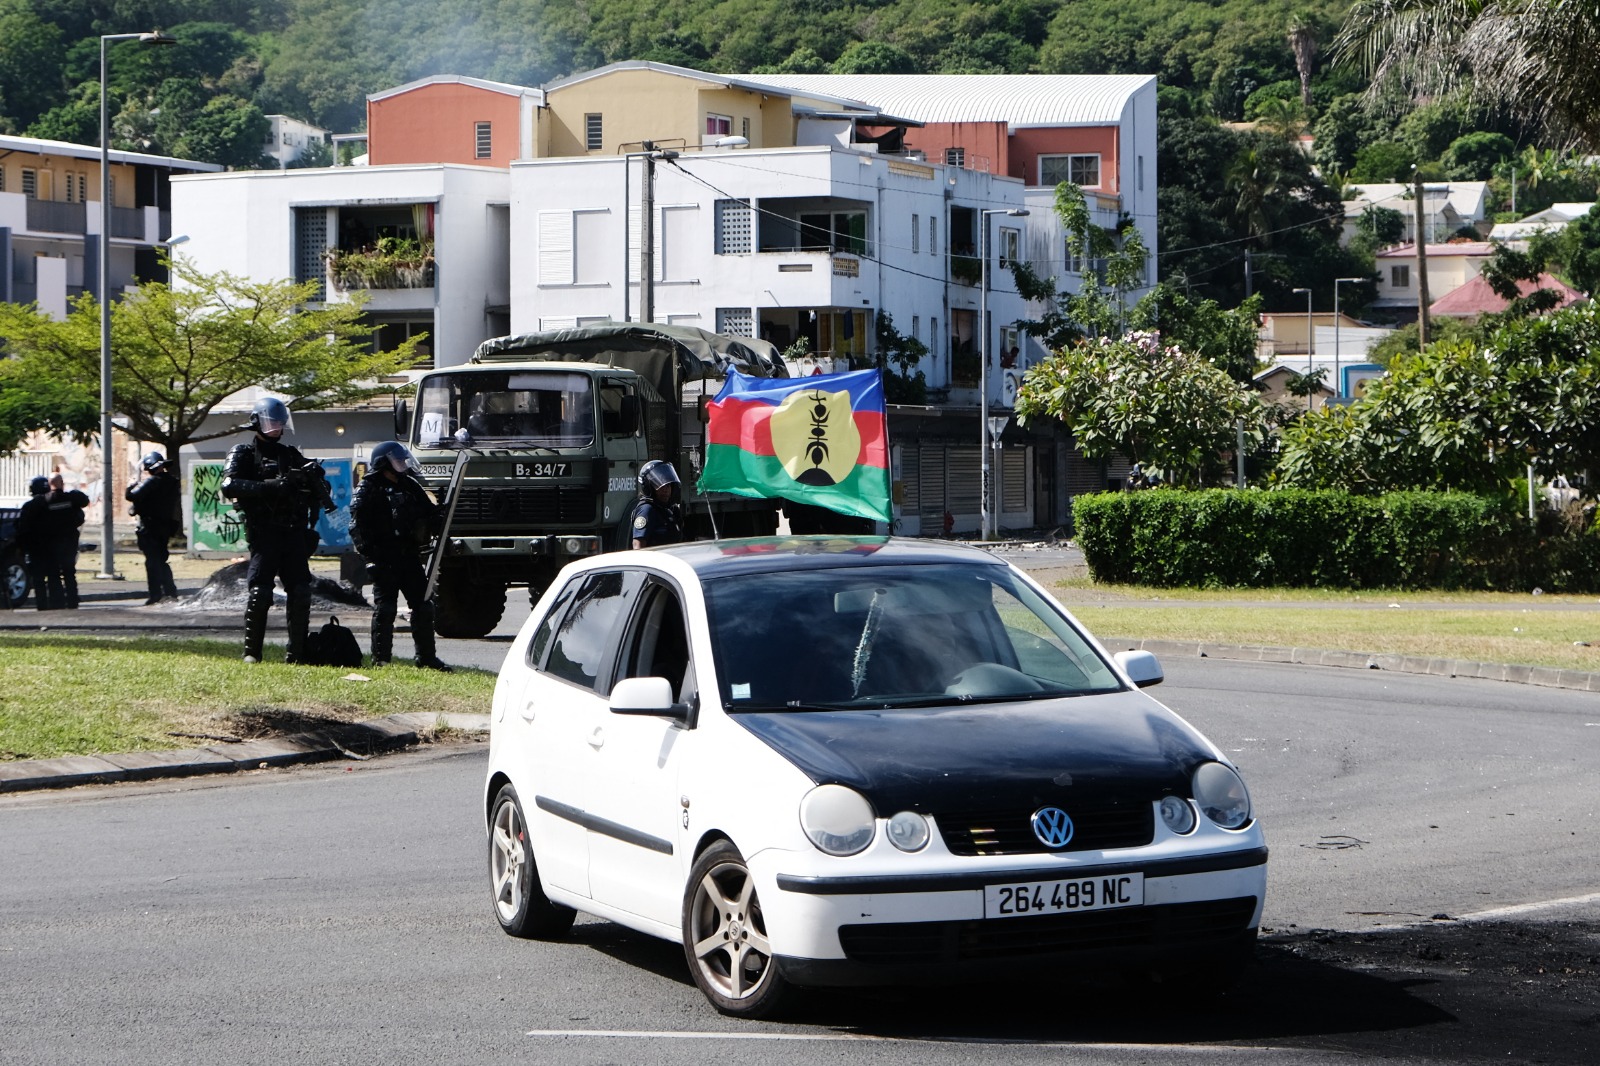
[(555, 427)]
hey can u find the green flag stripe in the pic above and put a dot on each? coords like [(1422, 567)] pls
[(864, 493)]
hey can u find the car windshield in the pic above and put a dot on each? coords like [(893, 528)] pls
[(497, 408), (893, 636)]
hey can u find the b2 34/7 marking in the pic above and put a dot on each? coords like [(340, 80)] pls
[(541, 469)]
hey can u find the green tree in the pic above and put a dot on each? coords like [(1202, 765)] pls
[(1474, 156), (1168, 409), (1464, 415), (180, 350), (1343, 129), (1383, 161), (1534, 59), (32, 63), (31, 401), (874, 57), (1226, 337), (229, 131)]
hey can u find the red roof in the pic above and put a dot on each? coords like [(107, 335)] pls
[(1476, 297)]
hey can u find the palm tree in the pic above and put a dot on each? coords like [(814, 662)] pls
[(1534, 59), (1303, 40)]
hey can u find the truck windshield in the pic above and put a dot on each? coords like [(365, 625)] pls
[(498, 408)]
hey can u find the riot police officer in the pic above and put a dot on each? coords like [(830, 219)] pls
[(156, 504), (279, 491), (35, 532), (656, 518), (392, 519)]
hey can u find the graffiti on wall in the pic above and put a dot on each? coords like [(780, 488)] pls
[(215, 526)]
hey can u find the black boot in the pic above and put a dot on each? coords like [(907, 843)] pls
[(298, 618), (255, 622), (422, 637), (382, 634)]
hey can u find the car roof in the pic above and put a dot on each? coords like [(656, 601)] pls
[(754, 555)]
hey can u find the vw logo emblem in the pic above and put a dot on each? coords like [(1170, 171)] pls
[(1052, 826)]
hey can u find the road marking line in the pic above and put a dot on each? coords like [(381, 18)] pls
[(1529, 908), (664, 1034)]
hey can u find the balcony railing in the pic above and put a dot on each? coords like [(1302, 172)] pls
[(48, 216), (128, 222), (394, 263)]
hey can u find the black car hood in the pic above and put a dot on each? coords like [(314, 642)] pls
[(991, 755)]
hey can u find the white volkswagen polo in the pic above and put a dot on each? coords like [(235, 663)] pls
[(827, 761)]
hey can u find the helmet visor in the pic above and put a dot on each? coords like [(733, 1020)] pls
[(270, 425), (403, 462)]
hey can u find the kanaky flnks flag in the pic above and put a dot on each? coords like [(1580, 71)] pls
[(819, 440)]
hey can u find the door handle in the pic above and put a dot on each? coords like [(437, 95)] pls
[(597, 738), (527, 712)]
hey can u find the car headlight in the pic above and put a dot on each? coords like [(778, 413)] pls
[(908, 831), (1176, 814), (1220, 794), (838, 820)]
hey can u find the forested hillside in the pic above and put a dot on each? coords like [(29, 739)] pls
[(1223, 189)]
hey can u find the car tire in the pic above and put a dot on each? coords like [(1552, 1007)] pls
[(725, 937), (13, 580), (464, 610), (519, 902)]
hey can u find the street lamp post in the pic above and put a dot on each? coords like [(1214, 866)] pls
[(986, 515), (1338, 387), (107, 483), (1311, 347)]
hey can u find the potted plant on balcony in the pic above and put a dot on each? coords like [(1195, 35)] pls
[(966, 269), (391, 263)]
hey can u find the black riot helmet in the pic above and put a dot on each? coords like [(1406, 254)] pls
[(39, 485), (392, 455), (655, 475), (154, 461), (270, 417)]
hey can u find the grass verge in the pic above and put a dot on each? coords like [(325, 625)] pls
[(1480, 627), (81, 695)]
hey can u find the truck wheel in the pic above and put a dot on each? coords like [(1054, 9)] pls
[(462, 609)]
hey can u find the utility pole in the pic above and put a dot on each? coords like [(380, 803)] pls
[(1249, 274), (647, 237), (1422, 261)]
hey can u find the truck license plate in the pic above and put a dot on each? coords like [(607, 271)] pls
[(1029, 898)]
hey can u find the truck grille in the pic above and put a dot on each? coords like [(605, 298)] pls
[(516, 505), (1172, 925), (1107, 823)]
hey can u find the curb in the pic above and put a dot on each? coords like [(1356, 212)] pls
[(356, 740), (1547, 676)]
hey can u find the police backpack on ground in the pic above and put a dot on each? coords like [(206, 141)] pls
[(332, 645)]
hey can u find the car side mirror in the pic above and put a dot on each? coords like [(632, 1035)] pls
[(1142, 668), (402, 419), (651, 696)]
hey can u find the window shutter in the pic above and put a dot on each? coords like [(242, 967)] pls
[(555, 248)]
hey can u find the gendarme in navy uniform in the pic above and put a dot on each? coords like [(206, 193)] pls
[(279, 492), (392, 519), (655, 519)]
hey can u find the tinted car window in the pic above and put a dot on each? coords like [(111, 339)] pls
[(547, 628), (658, 645), (583, 647), (904, 635)]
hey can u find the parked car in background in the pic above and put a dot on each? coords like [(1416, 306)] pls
[(837, 761), (13, 573)]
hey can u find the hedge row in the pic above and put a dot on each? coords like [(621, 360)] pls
[(1226, 538)]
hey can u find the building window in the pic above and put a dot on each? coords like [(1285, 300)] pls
[(839, 231), (955, 157), (593, 140), (735, 322), (916, 327), (718, 126), (1400, 277), (1010, 246), (2, 179), (83, 187), (30, 183), (916, 233), (484, 140), (1080, 170), (1141, 173), (933, 235), (733, 227), (744, 127), (70, 189)]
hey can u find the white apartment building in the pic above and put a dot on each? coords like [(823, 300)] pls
[(288, 138)]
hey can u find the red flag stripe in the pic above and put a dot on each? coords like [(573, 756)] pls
[(748, 427)]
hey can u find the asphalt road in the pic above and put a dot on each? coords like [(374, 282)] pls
[(340, 914)]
